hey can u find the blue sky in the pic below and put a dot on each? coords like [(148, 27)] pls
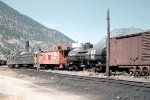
[(85, 20)]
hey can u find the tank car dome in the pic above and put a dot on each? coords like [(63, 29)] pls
[(77, 45), (88, 46)]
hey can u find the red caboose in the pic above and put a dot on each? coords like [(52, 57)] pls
[(55, 59)]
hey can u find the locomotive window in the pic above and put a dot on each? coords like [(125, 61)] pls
[(49, 57)]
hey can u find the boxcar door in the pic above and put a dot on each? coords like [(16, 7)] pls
[(134, 50)]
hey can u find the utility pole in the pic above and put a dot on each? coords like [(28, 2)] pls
[(108, 45), (19, 41)]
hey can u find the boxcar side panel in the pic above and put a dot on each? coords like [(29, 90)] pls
[(125, 51), (122, 47)]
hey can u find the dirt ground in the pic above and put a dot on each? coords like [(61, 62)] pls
[(26, 84), (23, 89)]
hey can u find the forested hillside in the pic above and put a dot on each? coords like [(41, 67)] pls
[(16, 28)]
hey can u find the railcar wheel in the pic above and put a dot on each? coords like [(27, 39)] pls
[(145, 71), (30, 66), (132, 71), (37, 66), (44, 67), (76, 68), (10, 66), (138, 71), (56, 68), (16, 66), (71, 67)]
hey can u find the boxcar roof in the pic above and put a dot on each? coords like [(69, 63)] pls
[(131, 35)]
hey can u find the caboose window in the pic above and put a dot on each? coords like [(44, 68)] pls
[(59, 48), (49, 57)]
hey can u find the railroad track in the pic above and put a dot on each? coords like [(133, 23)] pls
[(98, 80), (85, 86)]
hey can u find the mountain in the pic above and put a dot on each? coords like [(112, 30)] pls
[(16, 28), (125, 31), (120, 32)]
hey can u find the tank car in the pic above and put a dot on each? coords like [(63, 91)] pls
[(96, 58), (87, 56), (23, 59), (76, 58)]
